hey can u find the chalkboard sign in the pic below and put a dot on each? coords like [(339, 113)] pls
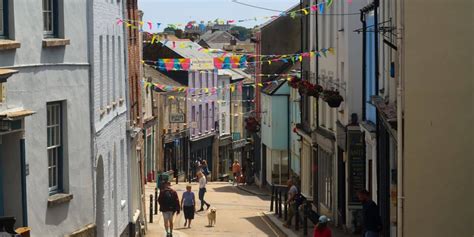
[(356, 154)]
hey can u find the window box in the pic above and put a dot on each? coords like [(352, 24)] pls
[(9, 44), (54, 42), (59, 198)]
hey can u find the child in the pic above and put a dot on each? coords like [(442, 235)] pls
[(188, 204), (322, 229)]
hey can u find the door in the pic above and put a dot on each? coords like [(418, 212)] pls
[(99, 198), (341, 186)]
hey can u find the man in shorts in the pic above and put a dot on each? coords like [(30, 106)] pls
[(169, 204)]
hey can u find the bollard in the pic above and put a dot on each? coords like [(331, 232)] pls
[(305, 219), (279, 204), (156, 201), (273, 198), (286, 207), (297, 218), (151, 208)]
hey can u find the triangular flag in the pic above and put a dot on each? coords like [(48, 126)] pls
[(329, 3), (305, 11)]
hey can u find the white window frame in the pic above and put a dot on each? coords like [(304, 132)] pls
[(54, 146)]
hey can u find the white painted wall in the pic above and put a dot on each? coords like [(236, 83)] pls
[(109, 80), (46, 75)]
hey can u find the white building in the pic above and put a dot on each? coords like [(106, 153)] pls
[(45, 159), (108, 114), (339, 70)]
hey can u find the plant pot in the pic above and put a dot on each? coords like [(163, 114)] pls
[(334, 101)]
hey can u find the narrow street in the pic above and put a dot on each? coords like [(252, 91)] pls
[(238, 214)]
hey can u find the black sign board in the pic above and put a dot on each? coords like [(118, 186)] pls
[(356, 155)]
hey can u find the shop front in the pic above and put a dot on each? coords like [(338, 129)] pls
[(202, 150), (225, 156)]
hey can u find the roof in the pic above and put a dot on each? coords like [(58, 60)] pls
[(217, 37), (271, 88), (236, 74), (158, 77), (269, 22), (189, 49)]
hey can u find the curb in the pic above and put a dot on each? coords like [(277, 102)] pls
[(276, 222), (252, 192)]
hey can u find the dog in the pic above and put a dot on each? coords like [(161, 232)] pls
[(211, 216)]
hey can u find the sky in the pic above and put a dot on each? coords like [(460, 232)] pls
[(182, 11)]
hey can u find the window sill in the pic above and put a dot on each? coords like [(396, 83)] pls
[(59, 198), (6, 44), (54, 42)]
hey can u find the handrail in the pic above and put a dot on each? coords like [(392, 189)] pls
[(279, 195)]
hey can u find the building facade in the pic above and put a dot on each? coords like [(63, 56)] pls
[(45, 161), (108, 52)]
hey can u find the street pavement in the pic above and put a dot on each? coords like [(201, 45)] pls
[(239, 213)]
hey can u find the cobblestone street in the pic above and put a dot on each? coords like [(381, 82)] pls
[(239, 213)]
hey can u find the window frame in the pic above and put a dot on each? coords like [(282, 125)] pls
[(59, 147), (4, 18), (53, 33)]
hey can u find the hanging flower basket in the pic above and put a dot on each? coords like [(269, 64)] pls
[(252, 125), (294, 82), (333, 98)]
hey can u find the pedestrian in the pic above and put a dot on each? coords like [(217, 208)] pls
[(169, 204), (205, 168), (291, 201), (371, 220), (188, 205), (236, 169), (321, 229), (202, 191)]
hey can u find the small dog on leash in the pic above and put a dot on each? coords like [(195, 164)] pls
[(211, 216)]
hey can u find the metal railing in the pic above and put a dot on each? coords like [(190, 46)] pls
[(279, 205)]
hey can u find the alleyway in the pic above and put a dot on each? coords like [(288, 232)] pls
[(238, 214)]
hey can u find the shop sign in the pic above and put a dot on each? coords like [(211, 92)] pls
[(239, 143), (356, 155), (176, 118)]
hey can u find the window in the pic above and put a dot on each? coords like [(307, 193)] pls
[(3, 18), (207, 117), (120, 67), (50, 18), (101, 72), (54, 130), (325, 178), (212, 115), (193, 117), (200, 118), (113, 70), (107, 66)]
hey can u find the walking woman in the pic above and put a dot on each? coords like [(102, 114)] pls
[(202, 190), (188, 204)]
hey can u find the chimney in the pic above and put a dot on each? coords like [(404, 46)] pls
[(214, 30), (233, 41)]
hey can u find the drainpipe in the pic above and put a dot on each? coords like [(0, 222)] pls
[(400, 120), (289, 134), (364, 58), (24, 204), (316, 185)]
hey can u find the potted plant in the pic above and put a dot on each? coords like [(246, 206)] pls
[(314, 90), (333, 98), (252, 125), (294, 81)]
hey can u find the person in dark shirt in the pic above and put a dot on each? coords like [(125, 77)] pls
[(370, 212)]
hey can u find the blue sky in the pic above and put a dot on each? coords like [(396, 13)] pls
[(183, 11)]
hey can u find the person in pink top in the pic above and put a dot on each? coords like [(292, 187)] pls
[(322, 229)]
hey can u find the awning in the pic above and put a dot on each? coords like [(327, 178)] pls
[(13, 114)]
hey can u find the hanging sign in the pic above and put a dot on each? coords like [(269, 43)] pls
[(177, 118)]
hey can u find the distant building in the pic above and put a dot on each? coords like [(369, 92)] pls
[(201, 79)]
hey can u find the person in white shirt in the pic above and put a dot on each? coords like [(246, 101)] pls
[(202, 190)]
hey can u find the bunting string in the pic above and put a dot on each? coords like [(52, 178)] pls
[(318, 7)]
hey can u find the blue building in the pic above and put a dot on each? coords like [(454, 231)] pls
[(275, 132)]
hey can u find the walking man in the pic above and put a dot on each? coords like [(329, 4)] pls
[(236, 169), (202, 190), (293, 209), (372, 223), (169, 204)]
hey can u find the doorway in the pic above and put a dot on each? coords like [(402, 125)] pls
[(100, 201)]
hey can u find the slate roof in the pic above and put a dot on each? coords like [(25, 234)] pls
[(271, 88), (158, 77), (188, 49)]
